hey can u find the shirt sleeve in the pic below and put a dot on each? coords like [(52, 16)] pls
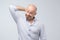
[(42, 33), (13, 9)]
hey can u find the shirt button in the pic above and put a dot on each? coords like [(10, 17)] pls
[(29, 29), (28, 34)]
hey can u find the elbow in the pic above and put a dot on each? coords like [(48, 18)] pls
[(11, 7)]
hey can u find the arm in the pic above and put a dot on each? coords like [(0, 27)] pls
[(13, 9), (42, 33), (20, 8)]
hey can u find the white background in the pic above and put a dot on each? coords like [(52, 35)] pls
[(48, 12)]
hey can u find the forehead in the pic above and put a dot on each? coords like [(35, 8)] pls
[(31, 8)]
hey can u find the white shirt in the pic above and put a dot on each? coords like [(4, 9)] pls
[(27, 31)]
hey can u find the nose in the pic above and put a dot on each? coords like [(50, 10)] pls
[(28, 14)]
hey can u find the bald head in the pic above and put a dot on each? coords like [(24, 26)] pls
[(32, 6), (31, 11)]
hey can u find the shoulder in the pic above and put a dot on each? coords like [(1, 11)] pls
[(39, 21), (42, 26)]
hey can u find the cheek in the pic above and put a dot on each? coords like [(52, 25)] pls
[(30, 14)]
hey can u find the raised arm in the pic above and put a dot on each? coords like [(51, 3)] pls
[(13, 9), (42, 33), (20, 8)]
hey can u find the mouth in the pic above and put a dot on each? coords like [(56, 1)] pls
[(28, 17)]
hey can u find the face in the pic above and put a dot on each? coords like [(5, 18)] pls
[(30, 12)]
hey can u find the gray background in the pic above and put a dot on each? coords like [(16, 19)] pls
[(48, 12)]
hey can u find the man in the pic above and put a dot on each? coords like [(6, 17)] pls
[(29, 27)]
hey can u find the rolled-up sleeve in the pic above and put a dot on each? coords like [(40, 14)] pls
[(13, 9), (42, 33)]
